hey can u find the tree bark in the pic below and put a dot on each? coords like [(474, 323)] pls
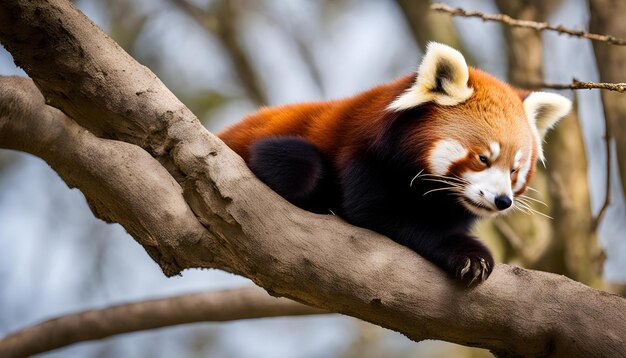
[(243, 227)]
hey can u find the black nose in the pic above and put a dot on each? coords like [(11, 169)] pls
[(502, 202)]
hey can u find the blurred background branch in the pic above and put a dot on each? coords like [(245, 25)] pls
[(607, 17), (430, 26), (539, 26), (219, 306), (577, 85)]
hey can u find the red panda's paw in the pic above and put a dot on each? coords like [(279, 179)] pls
[(474, 270), (473, 265)]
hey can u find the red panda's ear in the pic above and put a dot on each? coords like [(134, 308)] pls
[(441, 78), (544, 110)]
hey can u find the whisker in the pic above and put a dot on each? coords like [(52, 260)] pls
[(521, 209), (527, 207), (441, 189), (454, 178), (522, 200), (515, 208), (415, 177), (445, 182), (526, 197), (542, 214), (527, 203), (524, 205)]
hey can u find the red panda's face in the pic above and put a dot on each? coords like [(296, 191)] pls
[(483, 137), (485, 146), (486, 177)]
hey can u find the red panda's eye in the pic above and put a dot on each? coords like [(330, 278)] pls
[(483, 159)]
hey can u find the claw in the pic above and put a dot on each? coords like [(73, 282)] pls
[(484, 270), (465, 268), (472, 281), (475, 275)]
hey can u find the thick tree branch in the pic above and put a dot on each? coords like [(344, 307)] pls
[(228, 305), (315, 259), (121, 182), (539, 26)]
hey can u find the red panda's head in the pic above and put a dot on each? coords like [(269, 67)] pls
[(483, 137)]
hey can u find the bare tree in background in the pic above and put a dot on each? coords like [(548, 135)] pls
[(565, 243), (607, 17)]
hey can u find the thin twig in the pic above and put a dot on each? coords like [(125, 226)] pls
[(577, 85), (539, 26)]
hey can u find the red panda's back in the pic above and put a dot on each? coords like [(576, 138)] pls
[(291, 120)]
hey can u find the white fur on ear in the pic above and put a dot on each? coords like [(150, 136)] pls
[(441, 77), (544, 110)]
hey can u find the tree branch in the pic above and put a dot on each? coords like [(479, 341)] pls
[(150, 206), (314, 259), (539, 26), (576, 85), (228, 305)]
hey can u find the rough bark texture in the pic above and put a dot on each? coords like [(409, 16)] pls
[(228, 305), (249, 230)]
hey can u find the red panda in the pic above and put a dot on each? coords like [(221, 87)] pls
[(418, 159)]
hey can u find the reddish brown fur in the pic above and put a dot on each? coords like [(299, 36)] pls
[(331, 126), (338, 128)]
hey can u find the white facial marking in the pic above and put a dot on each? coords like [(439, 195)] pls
[(495, 150), (517, 158), (485, 186), (446, 152), (521, 175)]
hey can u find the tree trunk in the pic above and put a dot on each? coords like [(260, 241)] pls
[(607, 16)]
